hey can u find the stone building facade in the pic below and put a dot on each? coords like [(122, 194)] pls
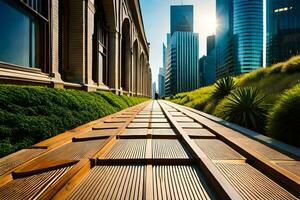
[(80, 44)]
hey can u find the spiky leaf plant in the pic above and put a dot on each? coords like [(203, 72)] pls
[(223, 87), (244, 106)]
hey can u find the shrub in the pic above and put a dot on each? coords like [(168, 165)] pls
[(29, 114), (276, 68), (200, 102), (253, 76), (244, 106), (292, 65), (210, 106), (284, 117), (115, 100), (223, 87)]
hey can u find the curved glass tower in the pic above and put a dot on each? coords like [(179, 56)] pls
[(248, 34)]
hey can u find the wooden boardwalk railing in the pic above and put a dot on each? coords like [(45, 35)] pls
[(155, 150)]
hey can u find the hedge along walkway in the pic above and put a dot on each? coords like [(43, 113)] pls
[(29, 114)]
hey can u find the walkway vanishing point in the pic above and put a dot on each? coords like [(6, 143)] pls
[(155, 150)]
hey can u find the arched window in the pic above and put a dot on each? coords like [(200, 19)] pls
[(100, 70), (126, 56)]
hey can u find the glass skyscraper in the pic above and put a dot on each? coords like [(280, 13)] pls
[(239, 36), (224, 39), (248, 33), (283, 30), (182, 18), (182, 73), (161, 82)]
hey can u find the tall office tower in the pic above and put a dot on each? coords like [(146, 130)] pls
[(283, 30), (210, 66), (164, 58), (248, 23), (182, 73), (182, 18), (224, 39), (239, 36), (153, 90), (161, 82)]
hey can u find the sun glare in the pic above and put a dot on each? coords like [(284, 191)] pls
[(210, 25)]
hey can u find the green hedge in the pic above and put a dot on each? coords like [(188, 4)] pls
[(29, 114), (284, 117)]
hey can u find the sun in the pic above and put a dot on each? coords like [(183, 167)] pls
[(205, 23), (210, 25)]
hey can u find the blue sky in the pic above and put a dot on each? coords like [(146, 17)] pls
[(156, 17)]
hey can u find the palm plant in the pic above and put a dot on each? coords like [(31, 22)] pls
[(223, 87), (246, 107)]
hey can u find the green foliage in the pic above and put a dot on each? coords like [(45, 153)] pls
[(130, 101), (251, 77), (223, 87), (275, 69), (200, 102), (292, 65), (271, 81), (284, 117), (115, 100), (29, 114), (244, 106), (210, 106)]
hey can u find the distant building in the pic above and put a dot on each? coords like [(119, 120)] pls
[(207, 64), (162, 73), (210, 44), (239, 36), (164, 58), (153, 90), (283, 30), (210, 66), (182, 68), (182, 72), (202, 70), (161, 82), (182, 18)]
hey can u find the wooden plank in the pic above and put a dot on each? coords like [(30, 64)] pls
[(78, 172), (149, 183), (217, 150), (200, 133), (160, 125), (252, 150), (31, 187), (144, 161), (223, 188), (251, 188), (138, 125), (111, 182)]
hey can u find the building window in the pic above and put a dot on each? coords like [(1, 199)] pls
[(22, 33), (100, 72)]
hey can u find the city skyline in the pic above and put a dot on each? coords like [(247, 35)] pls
[(204, 12), (182, 73)]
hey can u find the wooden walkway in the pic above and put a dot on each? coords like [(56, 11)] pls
[(155, 150)]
